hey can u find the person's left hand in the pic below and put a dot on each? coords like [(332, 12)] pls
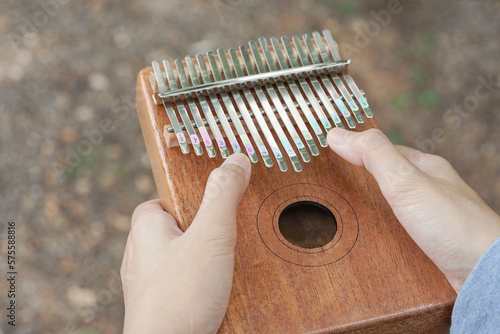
[(175, 282)]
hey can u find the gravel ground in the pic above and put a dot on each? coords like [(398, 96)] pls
[(68, 71)]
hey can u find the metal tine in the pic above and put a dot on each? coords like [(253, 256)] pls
[(279, 108), (324, 78), (261, 69), (256, 110), (295, 114), (284, 116), (304, 106), (162, 87), (291, 105), (274, 146), (195, 81), (332, 45), (230, 108), (267, 107), (195, 141), (323, 53), (307, 90), (314, 82), (257, 114), (205, 76), (242, 108), (195, 112)]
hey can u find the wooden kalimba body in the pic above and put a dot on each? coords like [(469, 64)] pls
[(319, 249)]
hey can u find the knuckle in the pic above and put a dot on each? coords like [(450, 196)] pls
[(417, 157), (222, 177), (137, 230), (140, 210), (216, 181), (402, 179), (218, 175), (437, 161), (405, 190), (123, 271), (371, 144), (146, 221), (373, 138)]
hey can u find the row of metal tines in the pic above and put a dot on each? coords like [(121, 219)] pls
[(295, 74)]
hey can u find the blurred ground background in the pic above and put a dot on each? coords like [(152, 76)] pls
[(66, 66)]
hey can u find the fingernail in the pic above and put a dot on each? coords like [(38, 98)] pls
[(336, 136), (238, 159)]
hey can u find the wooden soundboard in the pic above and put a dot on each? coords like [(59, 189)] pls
[(370, 278)]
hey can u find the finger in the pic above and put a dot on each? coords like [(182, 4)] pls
[(373, 150), (216, 218), (151, 204), (150, 220), (430, 164), (149, 239)]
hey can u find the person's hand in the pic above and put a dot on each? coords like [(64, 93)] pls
[(176, 282), (444, 216)]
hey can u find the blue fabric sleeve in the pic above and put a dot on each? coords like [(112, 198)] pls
[(477, 308)]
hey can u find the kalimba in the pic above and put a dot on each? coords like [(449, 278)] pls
[(318, 249)]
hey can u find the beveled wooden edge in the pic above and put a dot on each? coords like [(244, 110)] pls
[(431, 320), (153, 137)]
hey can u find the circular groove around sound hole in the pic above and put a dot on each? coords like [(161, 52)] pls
[(307, 224)]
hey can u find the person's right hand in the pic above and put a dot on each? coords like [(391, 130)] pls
[(444, 216)]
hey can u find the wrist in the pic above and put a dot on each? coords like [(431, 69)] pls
[(480, 244)]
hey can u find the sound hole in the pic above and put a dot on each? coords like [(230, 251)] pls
[(307, 224)]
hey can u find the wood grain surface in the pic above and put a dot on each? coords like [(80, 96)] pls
[(371, 278)]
